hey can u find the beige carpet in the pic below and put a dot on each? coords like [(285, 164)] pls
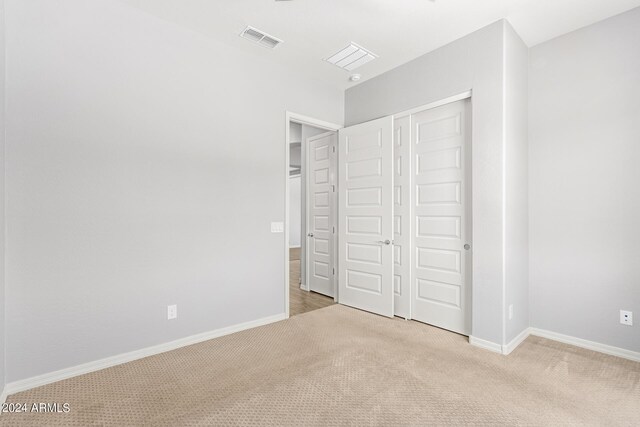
[(339, 366)]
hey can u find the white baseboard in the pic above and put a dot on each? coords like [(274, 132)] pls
[(48, 378), (508, 348), (566, 339), (589, 345), (62, 374), (487, 345)]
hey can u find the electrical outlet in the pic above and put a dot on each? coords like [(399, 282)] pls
[(626, 317), (277, 227), (510, 311), (172, 312)]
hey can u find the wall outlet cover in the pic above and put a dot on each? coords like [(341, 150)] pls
[(626, 317), (277, 227), (172, 312)]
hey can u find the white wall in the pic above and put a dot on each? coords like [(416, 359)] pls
[(144, 166), (584, 167), (472, 62), (2, 198), (295, 211), (516, 203)]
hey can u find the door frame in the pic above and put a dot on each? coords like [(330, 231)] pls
[(310, 121), (435, 104)]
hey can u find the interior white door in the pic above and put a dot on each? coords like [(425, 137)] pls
[(320, 216), (365, 216), (402, 216), (441, 173)]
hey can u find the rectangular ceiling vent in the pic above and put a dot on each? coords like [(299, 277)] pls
[(351, 57), (260, 37)]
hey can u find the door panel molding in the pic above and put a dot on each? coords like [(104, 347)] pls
[(441, 216), (402, 216), (365, 216), (320, 210)]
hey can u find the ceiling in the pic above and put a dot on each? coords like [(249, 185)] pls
[(396, 30)]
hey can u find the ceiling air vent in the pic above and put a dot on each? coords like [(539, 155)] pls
[(351, 57), (260, 37)]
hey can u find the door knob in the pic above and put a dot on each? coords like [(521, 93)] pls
[(467, 246), (310, 234), (384, 242)]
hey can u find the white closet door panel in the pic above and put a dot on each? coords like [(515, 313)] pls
[(365, 216), (401, 216), (441, 221)]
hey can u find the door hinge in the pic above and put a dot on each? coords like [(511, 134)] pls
[(334, 230), (333, 188), (334, 148), (333, 271)]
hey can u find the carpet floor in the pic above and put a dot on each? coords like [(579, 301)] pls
[(340, 366)]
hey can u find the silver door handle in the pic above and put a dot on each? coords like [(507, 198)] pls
[(467, 246), (310, 234), (384, 242)]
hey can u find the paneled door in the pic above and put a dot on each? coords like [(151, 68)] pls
[(402, 216), (320, 212), (365, 216), (442, 224)]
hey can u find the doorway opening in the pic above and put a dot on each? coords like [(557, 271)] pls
[(310, 214)]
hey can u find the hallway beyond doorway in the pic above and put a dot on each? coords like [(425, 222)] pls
[(301, 301)]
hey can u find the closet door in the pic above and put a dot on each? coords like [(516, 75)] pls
[(365, 216), (402, 216), (442, 224)]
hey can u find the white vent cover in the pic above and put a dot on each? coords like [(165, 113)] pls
[(260, 37), (351, 57)]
